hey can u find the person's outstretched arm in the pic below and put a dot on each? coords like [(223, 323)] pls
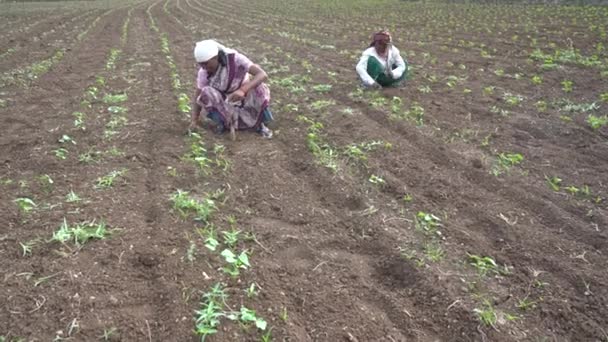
[(362, 71)]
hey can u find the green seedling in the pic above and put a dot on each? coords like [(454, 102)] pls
[(512, 100), (358, 152), (487, 91), (72, 197), (320, 104), (185, 204), (267, 337), (183, 103), (235, 263), (67, 139), (537, 80), (91, 93), (283, 314), (604, 97), (208, 316), (81, 233), (326, 155), (191, 252), (79, 118), (433, 252), (501, 111), (485, 265), (252, 291), (61, 153), (427, 223), (89, 157), (117, 109), (376, 180), (487, 314), (209, 236), (541, 106), (109, 180), (247, 316), (115, 152), (100, 81), (322, 88), (231, 238), (46, 182), (198, 153), (26, 205), (597, 122), (554, 182), (108, 334), (505, 161), (425, 89), (220, 160), (407, 198), (567, 86), (115, 98), (526, 304)]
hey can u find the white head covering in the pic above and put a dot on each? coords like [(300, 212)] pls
[(205, 50)]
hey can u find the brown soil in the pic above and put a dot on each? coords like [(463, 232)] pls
[(339, 254)]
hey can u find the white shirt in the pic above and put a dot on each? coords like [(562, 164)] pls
[(394, 58)]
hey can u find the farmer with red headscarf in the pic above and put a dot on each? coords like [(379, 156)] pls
[(381, 64)]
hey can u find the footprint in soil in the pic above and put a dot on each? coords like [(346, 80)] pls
[(398, 272)]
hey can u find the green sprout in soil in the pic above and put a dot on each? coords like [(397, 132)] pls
[(72, 197), (283, 314), (322, 88), (26, 205), (433, 252), (46, 182), (198, 153), (597, 122), (505, 161), (487, 314), (61, 153), (486, 265), (567, 86), (115, 98), (231, 238), (108, 334), (79, 118), (186, 204), (81, 232), (235, 263), (252, 291), (554, 182), (89, 157), (109, 180), (376, 180), (526, 304), (427, 223)]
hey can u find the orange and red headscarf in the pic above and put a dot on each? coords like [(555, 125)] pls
[(383, 35)]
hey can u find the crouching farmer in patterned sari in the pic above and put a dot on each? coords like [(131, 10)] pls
[(231, 99), (381, 64)]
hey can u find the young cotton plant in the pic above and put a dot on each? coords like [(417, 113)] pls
[(186, 204), (326, 155), (81, 232), (235, 263), (26, 205), (428, 223)]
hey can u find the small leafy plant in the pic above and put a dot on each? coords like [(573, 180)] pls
[(81, 232)]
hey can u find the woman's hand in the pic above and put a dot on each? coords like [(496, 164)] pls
[(236, 96)]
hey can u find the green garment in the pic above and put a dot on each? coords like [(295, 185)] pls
[(376, 71)]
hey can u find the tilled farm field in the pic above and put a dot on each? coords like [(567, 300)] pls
[(468, 205)]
